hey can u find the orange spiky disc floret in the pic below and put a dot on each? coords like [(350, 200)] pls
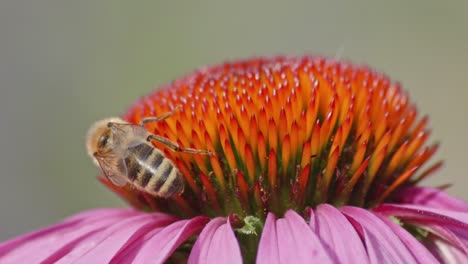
[(287, 133)]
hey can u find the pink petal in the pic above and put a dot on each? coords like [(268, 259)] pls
[(414, 246), (41, 244), (449, 225), (160, 246), (446, 252), (382, 244), (431, 197), (117, 235), (128, 253), (313, 220), (69, 223), (339, 235), (216, 244), (456, 239), (104, 245), (268, 248), (427, 214), (295, 242)]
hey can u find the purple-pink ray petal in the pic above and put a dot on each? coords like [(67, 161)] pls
[(47, 245), (216, 244), (42, 244), (296, 242), (309, 245), (313, 219), (338, 234), (427, 214), (160, 247), (68, 224), (104, 245), (449, 225), (199, 250), (224, 246), (446, 252), (455, 238), (268, 248), (430, 197), (382, 245), (128, 253), (420, 253)]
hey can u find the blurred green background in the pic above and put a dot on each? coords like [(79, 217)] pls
[(65, 64)]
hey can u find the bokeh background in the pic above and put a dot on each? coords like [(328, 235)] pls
[(65, 64)]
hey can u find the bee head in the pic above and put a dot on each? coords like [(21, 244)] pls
[(99, 136)]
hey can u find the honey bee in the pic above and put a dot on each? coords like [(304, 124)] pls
[(125, 155)]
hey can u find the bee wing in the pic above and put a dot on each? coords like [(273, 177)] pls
[(119, 132), (122, 129), (113, 168)]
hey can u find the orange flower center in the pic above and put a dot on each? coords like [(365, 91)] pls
[(287, 133)]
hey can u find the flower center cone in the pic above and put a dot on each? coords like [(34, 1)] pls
[(287, 133)]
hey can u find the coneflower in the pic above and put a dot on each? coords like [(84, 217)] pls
[(316, 161)]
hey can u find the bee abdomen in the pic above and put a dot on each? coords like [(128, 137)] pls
[(137, 161), (152, 172), (166, 180)]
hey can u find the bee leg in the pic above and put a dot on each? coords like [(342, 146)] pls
[(175, 147), (159, 118)]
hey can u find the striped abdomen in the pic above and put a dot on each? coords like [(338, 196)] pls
[(148, 169)]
